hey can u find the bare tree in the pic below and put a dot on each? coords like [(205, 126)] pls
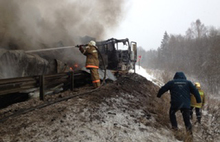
[(196, 53), (197, 30)]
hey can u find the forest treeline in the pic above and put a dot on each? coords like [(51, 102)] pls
[(197, 53)]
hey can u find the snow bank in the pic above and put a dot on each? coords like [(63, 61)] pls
[(143, 72)]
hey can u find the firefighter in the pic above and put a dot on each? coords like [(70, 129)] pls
[(180, 89), (196, 105), (92, 61)]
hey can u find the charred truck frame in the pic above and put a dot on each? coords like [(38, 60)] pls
[(119, 55)]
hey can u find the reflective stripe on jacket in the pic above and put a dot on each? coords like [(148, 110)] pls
[(92, 60), (95, 81)]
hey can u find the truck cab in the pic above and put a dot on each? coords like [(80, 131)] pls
[(118, 54)]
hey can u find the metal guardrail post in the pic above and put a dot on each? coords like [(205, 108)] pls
[(71, 81), (42, 82)]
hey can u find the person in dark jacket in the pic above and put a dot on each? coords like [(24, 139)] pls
[(180, 89)]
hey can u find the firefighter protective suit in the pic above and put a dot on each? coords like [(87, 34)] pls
[(92, 62), (196, 105)]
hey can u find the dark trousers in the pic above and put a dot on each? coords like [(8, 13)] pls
[(198, 113), (186, 117)]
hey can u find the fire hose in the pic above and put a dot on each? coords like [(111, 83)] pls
[(24, 111), (66, 47)]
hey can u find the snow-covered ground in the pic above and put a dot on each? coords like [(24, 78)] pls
[(117, 112), (143, 72), (210, 126)]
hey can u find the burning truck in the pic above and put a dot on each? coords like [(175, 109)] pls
[(18, 63), (119, 55), (116, 55)]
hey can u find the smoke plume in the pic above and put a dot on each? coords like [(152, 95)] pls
[(35, 24)]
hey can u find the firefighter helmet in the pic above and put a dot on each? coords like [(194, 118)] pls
[(92, 43), (197, 84)]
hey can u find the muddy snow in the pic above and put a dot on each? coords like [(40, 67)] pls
[(126, 110)]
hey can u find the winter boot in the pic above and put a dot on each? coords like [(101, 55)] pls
[(199, 120), (174, 128), (96, 85)]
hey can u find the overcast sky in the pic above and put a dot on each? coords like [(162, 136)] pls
[(147, 20)]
